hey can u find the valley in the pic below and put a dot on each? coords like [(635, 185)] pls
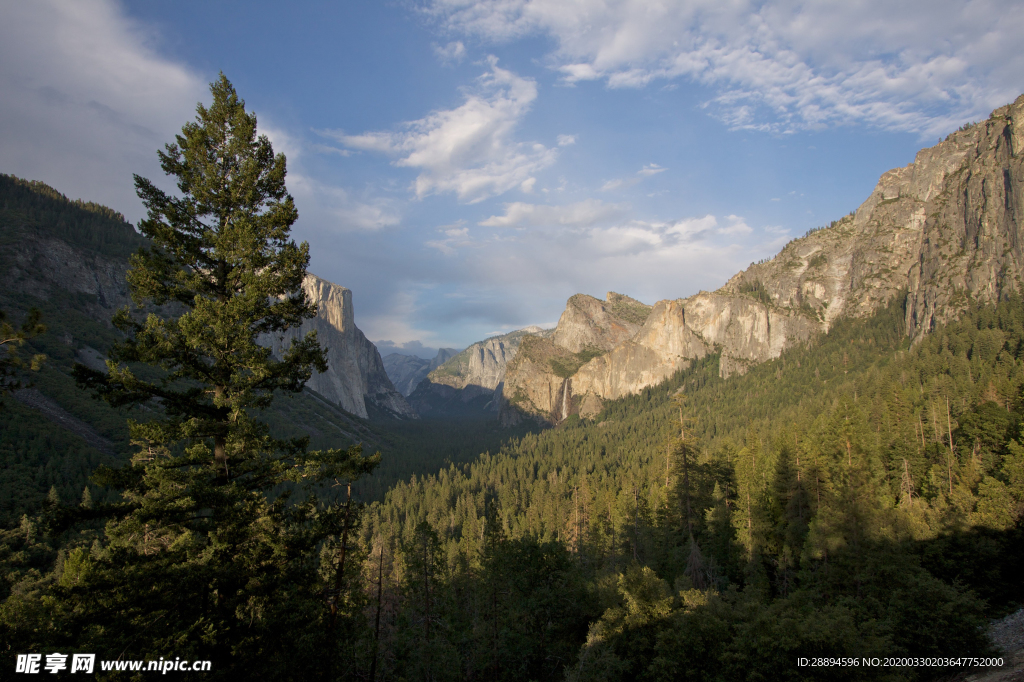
[(822, 457)]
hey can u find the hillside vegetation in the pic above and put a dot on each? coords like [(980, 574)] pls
[(52, 452), (855, 497)]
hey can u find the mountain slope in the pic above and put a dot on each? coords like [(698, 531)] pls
[(470, 383), (53, 247), (355, 378), (943, 231), (407, 371)]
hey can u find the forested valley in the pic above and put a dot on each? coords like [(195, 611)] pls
[(858, 497)]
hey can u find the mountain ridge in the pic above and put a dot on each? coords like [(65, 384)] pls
[(407, 371), (943, 231), (55, 244)]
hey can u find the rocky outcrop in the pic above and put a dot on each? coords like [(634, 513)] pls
[(37, 266), (355, 380), (539, 379), (590, 323), (470, 383), (407, 371), (663, 346), (944, 232), (41, 266)]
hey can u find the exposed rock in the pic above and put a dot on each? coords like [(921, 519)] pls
[(407, 371), (591, 323), (944, 232), (538, 379), (355, 375), (91, 358), (663, 346), (471, 381), (35, 266)]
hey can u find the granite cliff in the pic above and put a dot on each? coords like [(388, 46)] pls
[(41, 258), (37, 265), (942, 232), (355, 379), (407, 371), (539, 378), (471, 381)]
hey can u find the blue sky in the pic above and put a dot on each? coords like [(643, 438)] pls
[(465, 167)]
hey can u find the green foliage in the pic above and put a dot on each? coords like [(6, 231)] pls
[(631, 311), (756, 290), (566, 367), (817, 260), (34, 208), (828, 513), (11, 339), (218, 547)]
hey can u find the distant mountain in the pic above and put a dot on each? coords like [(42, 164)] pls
[(355, 379), (470, 382), (407, 371), (942, 233), (54, 247)]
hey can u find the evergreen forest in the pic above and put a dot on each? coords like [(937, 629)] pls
[(861, 496)]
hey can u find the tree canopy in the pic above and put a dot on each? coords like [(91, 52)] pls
[(220, 545)]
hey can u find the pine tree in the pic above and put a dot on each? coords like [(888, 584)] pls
[(209, 554), (11, 338)]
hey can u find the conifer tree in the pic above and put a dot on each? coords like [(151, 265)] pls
[(209, 554), (11, 338)]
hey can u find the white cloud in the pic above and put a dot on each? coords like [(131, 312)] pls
[(455, 235), (328, 209), (920, 65), (582, 214), (650, 259), (86, 100), (650, 169), (645, 172), (566, 140), (394, 324), (452, 53), (328, 149), (468, 150), (736, 226)]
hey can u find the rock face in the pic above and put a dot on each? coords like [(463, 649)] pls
[(944, 232), (540, 379), (470, 383), (37, 266), (355, 378), (407, 371)]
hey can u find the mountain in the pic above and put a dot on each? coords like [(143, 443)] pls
[(537, 379), (942, 233), (355, 379), (54, 248), (407, 371), (470, 383)]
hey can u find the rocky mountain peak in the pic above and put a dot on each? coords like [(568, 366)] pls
[(471, 381), (944, 232), (356, 379), (590, 323)]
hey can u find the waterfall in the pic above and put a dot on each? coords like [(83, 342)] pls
[(566, 387)]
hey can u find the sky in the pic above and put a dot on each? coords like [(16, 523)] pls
[(465, 167)]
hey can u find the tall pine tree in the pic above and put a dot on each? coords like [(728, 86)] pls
[(215, 550)]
